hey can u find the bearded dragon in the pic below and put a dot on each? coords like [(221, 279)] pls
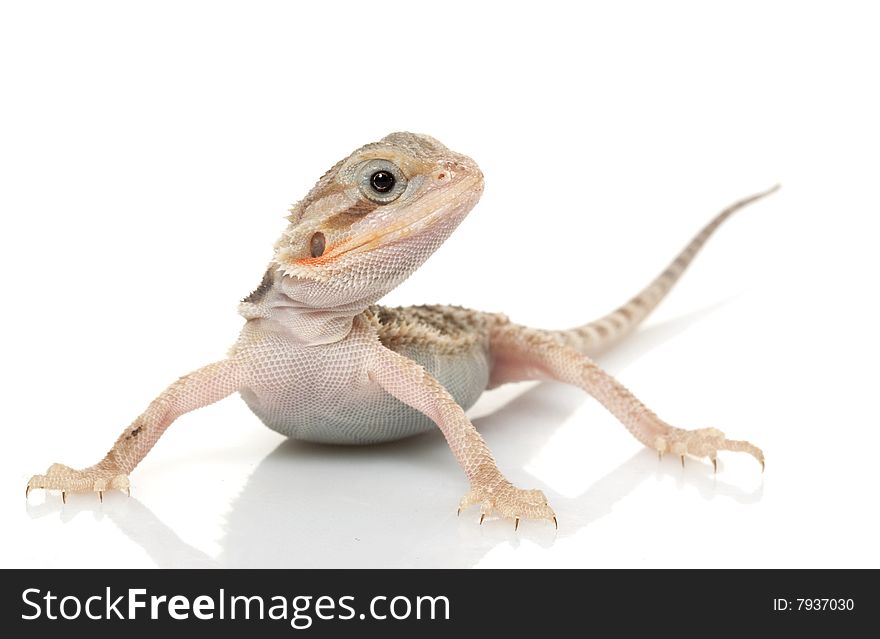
[(318, 360)]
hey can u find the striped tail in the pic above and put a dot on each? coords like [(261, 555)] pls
[(604, 331)]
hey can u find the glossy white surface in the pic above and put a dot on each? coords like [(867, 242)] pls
[(148, 158)]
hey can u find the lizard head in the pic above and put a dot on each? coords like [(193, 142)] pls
[(373, 219)]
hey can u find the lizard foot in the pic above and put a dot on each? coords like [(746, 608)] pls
[(703, 442), (508, 502), (68, 480)]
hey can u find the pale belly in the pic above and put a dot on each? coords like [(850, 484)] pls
[(333, 401)]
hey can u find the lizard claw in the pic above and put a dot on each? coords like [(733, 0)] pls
[(67, 480), (704, 442), (506, 500)]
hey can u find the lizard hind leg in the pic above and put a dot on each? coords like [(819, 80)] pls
[(520, 353)]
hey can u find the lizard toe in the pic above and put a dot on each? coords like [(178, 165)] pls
[(68, 480), (509, 502), (703, 442)]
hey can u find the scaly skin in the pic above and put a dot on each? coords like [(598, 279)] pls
[(318, 360)]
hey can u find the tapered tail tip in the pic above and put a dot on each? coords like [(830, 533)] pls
[(770, 191)]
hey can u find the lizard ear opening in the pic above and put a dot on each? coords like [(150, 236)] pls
[(317, 244)]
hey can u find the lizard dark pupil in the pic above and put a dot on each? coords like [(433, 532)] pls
[(382, 181)]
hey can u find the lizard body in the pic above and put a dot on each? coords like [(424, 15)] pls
[(348, 407), (319, 360)]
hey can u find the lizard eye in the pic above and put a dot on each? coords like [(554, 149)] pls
[(381, 181)]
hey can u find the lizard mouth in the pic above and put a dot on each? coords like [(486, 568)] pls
[(459, 199)]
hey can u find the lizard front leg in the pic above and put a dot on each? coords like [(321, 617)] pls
[(413, 385), (521, 353), (200, 388)]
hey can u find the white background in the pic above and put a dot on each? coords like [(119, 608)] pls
[(148, 154)]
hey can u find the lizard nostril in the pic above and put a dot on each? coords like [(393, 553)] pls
[(317, 244), (443, 175)]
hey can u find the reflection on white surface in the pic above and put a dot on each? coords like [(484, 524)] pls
[(271, 525), (309, 505)]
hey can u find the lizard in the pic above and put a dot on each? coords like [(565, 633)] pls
[(319, 360)]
